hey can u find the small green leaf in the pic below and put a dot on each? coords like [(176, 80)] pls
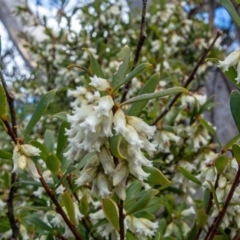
[(39, 110), (134, 188), (202, 218), (213, 191), (193, 233), (111, 212), (235, 107), (143, 202), (220, 163), (3, 105), (36, 220), (149, 87), (231, 142), (68, 204), (208, 126), (231, 75), (232, 11), (149, 96), (53, 163), (5, 155), (119, 76), (84, 206), (135, 72), (206, 198), (116, 145), (162, 226), (189, 176), (156, 177), (62, 138), (49, 140), (60, 115), (130, 236), (44, 152), (236, 152)]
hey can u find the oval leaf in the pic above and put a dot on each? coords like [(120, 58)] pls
[(202, 218), (84, 205), (136, 71), (39, 110), (220, 163), (111, 212), (149, 87), (149, 96), (5, 155), (236, 152), (49, 140), (115, 144), (156, 176), (235, 107), (3, 105), (62, 138), (53, 163), (189, 176), (68, 204)]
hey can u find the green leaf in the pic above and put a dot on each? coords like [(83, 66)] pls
[(214, 194), (5, 155), (116, 145), (236, 152), (53, 163), (193, 233), (206, 198), (149, 96), (134, 188), (142, 202), (49, 140), (44, 152), (3, 105), (231, 75), (36, 220), (156, 177), (208, 126), (84, 206), (60, 115), (62, 138), (111, 212), (149, 87), (68, 203), (96, 69), (189, 176), (235, 107), (39, 110), (119, 76), (162, 226), (130, 236), (231, 142), (220, 163), (232, 11), (135, 72), (202, 218)]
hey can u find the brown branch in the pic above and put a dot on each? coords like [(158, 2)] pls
[(121, 220), (141, 39), (59, 208), (218, 220), (189, 79)]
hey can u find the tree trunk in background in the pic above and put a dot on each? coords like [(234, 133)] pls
[(14, 28)]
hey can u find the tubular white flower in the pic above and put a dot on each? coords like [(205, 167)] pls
[(100, 186), (22, 160), (121, 172), (106, 160), (86, 176), (132, 137), (138, 172), (140, 126), (100, 84), (119, 121), (232, 59), (104, 106)]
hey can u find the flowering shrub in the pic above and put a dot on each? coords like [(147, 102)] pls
[(127, 152)]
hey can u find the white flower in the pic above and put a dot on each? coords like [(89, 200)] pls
[(100, 84), (140, 126), (104, 106), (106, 160), (232, 59), (39, 192), (119, 121), (22, 160), (188, 212), (121, 172), (60, 190), (101, 186), (86, 176)]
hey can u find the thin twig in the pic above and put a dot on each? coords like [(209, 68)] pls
[(189, 80), (218, 220), (12, 132), (59, 208), (121, 220), (141, 39)]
